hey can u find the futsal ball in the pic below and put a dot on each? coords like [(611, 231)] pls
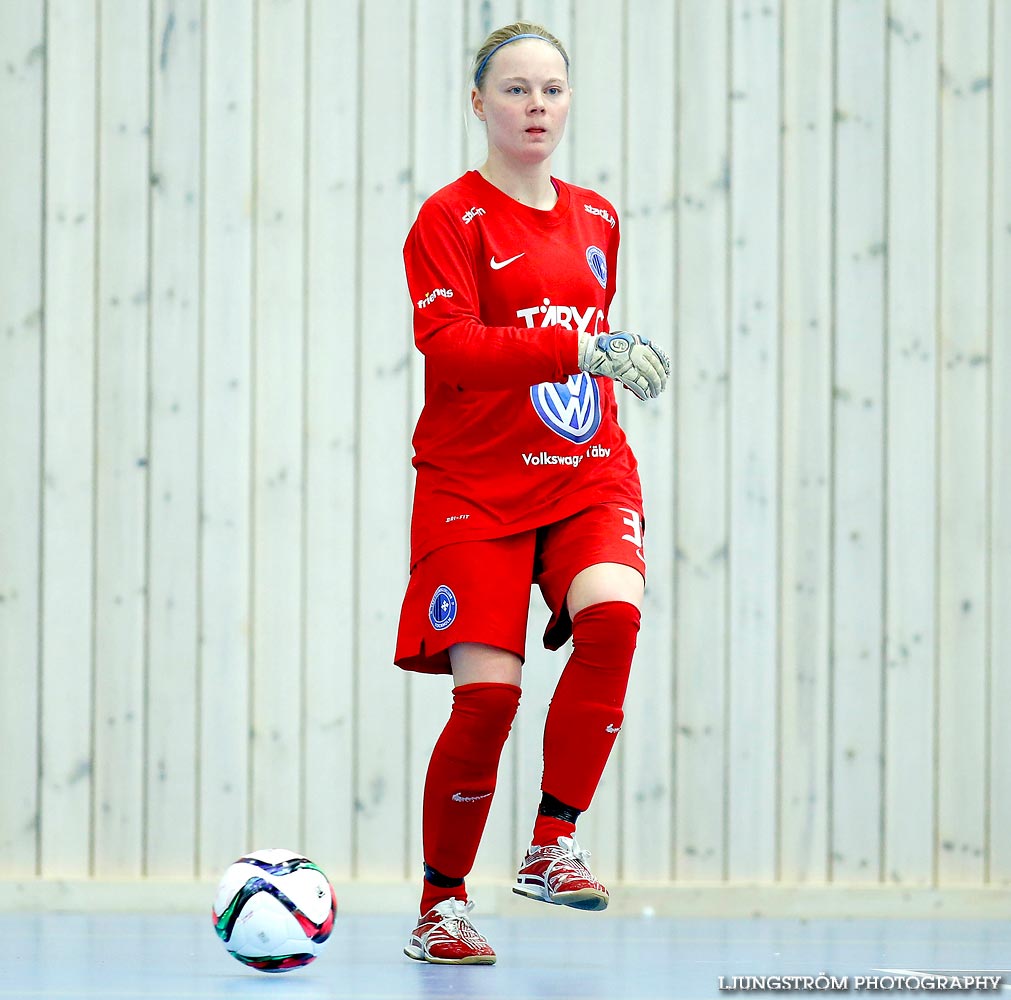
[(274, 910)]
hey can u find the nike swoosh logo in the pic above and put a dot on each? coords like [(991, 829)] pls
[(498, 264), (457, 797)]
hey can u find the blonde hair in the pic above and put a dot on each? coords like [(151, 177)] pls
[(501, 36)]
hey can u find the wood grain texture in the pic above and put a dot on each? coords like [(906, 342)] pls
[(754, 404), (647, 269), (964, 397), (805, 441), (175, 413), (22, 108), (858, 421), (208, 386), (332, 272), (382, 446), (68, 394), (702, 370), (911, 461), (226, 399), (278, 473), (123, 291), (999, 853)]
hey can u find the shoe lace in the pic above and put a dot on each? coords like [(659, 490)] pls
[(573, 850), (566, 852), (455, 921)]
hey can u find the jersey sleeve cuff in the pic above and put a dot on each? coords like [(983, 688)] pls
[(569, 352)]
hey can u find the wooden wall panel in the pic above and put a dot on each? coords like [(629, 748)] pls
[(208, 387), (22, 106), (911, 470), (858, 405), (122, 317), (175, 411), (226, 392), (701, 378), (999, 855), (332, 274), (963, 357), (754, 415), (68, 387), (383, 432), (805, 441), (647, 271), (278, 763)]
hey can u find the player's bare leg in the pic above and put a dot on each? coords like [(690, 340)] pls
[(476, 663), (602, 583)]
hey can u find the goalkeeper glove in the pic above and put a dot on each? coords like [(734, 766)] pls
[(637, 363)]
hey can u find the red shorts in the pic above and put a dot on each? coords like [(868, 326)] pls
[(480, 591)]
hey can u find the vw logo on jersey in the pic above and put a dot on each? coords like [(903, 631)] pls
[(570, 408), (442, 610), (598, 264)]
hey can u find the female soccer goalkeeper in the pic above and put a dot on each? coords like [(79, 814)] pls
[(523, 476)]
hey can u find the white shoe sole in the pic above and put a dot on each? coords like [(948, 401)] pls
[(580, 899), (419, 956)]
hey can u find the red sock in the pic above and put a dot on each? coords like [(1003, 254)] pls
[(461, 783), (586, 714), (547, 830)]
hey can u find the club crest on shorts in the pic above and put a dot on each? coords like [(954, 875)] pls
[(598, 264), (442, 609), (570, 408)]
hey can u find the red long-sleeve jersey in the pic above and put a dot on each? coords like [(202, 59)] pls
[(512, 435)]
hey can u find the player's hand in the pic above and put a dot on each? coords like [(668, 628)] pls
[(637, 363)]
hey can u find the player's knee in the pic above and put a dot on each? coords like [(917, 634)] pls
[(605, 634), (488, 708)]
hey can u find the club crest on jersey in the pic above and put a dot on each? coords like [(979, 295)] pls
[(598, 264), (442, 609), (570, 408)]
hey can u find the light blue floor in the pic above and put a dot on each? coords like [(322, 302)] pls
[(120, 957)]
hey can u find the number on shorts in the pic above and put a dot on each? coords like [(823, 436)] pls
[(636, 525)]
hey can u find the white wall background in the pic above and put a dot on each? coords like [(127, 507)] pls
[(207, 388)]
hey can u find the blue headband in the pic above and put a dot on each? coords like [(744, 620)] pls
[(515, 38)]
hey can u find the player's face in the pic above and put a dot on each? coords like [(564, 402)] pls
[(524, 100)]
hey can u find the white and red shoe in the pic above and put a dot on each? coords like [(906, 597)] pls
[(558, 874), (445, 936)]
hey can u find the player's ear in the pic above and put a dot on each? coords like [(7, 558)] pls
[(477, 102)]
